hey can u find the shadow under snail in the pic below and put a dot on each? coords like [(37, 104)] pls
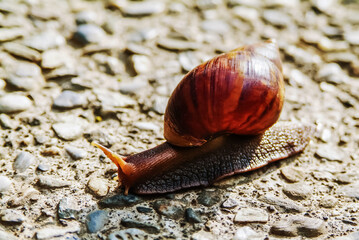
[(218, 122)]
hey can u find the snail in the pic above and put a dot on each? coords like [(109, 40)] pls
[(219, 121)]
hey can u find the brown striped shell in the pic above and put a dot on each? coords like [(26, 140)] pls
[(239, 92)]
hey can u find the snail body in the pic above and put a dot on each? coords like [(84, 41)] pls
[(218, 122)]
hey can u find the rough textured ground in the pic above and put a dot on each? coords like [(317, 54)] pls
[(76, 71)]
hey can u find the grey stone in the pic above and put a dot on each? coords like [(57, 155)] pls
[(215, 26), (22, 51), (341, 57), (50, 232), (7, 236), (247, 233), (276, 18), (133, 86), (282, 204), (11, 103), (284, 228), (67, 208), (144, 8), (8, 34), (68, 131), (302, 56), (75, 153), (141, 64), (12, 216), (169, 208), (45, 40), (98, 186), (250, 215), (89, 33), (309, 227), (331, 153), (344, 178), (53, 182), (23, 161), (246, 13), (96, 220), (43, 167), (209, 198), (5, 184), (192, 216), (292, 174), (144, 35), (149, 228), (66, 71), (177, 45), (100, 137), (148, 126), (297, 191), (120, 201), (6, 122), (208, 4), (138, 49), (141, 209), (27, 76), (69, 99)]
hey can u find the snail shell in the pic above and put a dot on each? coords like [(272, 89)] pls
[(240, 92)]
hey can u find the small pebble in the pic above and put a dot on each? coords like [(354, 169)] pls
[(149, 228), (53, 182), (22, 51), (98, 186), (328, 201), (5, 184), (68, 131), (54, 58), (141, 64), (247, 233), (26, 76), (147, 126), (75, 153), (66, 209), (276, 18), (7, 236), (50, 232), (352, 37), (230, 203), (344, 178), (297, 191), (250, 215), (11, 102), (331, 73), (120, 201), (85, 17), (139, 9), (97, 220), (169, 208), (292, 174), (45, 40), (12, 216), (215, 26), (282, 204), (8, 34), (331, 153), (349, 191), (6, 121), (89, 33), (192, 216), (141, 209), (160, 104), (177, 45), (23, 161), (209, 198), (203, 235), (69, 99)]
